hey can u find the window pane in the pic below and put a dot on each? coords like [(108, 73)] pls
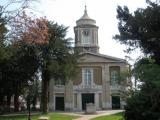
[(87, 75), (114, 77)]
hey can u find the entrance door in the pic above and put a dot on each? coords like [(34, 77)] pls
[(87, 98), (60, 103), (115, 102)]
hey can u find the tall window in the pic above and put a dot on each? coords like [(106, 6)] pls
[(114, 77), (87, 76), (114, 74)]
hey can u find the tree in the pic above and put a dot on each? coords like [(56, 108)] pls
[(55, 55), (29, 36), (4, 56), (141, 29), (17, 48), (22, 63), (58, 60), (3, 31), (13, 8), (144, 104)]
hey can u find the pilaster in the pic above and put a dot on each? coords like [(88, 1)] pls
[(79, 101), (96, 100), (69, 96), (106, 94)]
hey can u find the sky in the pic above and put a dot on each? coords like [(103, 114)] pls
[(66, 12)]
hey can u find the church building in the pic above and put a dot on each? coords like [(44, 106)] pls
[(98, 80)]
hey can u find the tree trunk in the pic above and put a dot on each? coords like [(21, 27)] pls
[(34, 103), (8, 101), (16, 102), (1, 100), (45, 90), (1, 104)]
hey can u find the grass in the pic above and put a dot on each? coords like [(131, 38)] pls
[(52, 116), (117, 116)]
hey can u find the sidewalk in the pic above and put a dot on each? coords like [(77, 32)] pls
[(84, 116)]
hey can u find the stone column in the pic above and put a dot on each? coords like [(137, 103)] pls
[(97, 101), (51, 95), (103, 88), (106, 97), (79, 101), (108, 91), (69, 96)]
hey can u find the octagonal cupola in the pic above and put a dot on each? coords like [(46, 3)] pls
[(85, 19), (86, 34)]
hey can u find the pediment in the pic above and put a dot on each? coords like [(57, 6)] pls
[(98, 58)]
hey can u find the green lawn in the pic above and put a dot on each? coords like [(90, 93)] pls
[(52, 116), (118, 116)]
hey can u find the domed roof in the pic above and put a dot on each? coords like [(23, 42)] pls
[(85, 19)]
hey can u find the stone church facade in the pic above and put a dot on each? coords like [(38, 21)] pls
[(97, 81)]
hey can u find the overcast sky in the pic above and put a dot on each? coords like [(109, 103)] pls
[(66, 12)]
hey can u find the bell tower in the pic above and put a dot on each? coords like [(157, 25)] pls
[(86, 34)]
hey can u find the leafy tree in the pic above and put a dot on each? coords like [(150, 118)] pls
[(140, 29), (28, 36), (22, 63), (3, 56), (144, 104), (34, 92), (12, 8), (56, 58), (18, 59), (59, 60)]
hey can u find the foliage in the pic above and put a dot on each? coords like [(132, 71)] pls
[(24, 30), (62, 56), (3, 56), (58, 59), (34, 92), (31, 45), (21, 62), (144, 104), (117, 116), (141, 29), (12, 8)]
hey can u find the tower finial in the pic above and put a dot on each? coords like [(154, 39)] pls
[(85, 10)]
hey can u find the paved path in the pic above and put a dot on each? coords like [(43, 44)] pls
[(97, 114)]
